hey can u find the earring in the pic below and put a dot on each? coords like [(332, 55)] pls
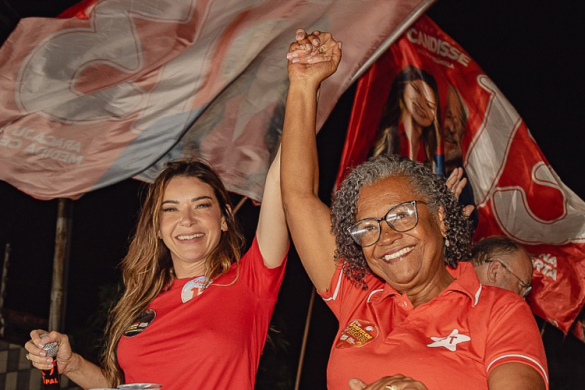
[(447, 243)]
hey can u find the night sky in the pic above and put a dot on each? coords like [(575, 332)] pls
[(531, 50)]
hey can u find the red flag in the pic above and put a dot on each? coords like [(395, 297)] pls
[(578, 329), (427, 81), (123, 85)]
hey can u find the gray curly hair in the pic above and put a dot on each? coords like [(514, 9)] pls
[(433, 190)]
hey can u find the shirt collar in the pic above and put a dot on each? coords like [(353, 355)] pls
[(465, 282)]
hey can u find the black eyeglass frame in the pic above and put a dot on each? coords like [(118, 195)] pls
[(384, 218), (526, 288)]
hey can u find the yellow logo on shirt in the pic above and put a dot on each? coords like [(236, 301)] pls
[(357, 334)]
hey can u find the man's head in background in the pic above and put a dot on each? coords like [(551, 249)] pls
[(456, 113), (501, 262)]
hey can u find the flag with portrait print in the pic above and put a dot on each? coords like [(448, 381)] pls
[(427, 81), (115, 88)]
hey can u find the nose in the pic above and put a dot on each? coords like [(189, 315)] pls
[(187, 218), (387, 234)]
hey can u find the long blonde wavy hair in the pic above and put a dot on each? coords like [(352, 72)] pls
[(147, 269)]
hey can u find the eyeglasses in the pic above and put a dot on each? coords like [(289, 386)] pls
[(525, 288), (401, 218)]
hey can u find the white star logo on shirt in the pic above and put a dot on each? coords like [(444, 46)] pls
[(450, 342)]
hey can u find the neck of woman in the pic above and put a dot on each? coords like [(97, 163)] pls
[(183, 270), (436, 286)]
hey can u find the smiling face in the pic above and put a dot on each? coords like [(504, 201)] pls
[(191, 224), (412, 261), (421, 102)]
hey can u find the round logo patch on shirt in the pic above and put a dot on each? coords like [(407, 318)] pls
[(141, 323), (199, 284), (357, 334)]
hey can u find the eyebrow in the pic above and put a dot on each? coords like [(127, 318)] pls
[(198, 198)]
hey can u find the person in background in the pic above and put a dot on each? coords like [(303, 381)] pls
[(501, 262), (194, 313), (456, 113), (389, 260)]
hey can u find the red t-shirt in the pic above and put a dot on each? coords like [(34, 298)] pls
[(451, 342), (211, 341)]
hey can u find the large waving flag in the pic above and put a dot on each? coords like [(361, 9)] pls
[(425, 82), (120, 86)]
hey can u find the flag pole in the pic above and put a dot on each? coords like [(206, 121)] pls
[(3, 280), (60, 257), (239, 205), (305, 337)]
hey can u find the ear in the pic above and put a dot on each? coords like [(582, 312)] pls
[(224, 225), (158, 235), (442, 224), (494, 272)]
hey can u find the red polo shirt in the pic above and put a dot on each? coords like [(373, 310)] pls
[(451, 342)]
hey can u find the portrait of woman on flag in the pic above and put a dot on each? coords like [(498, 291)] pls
[(409, 124)]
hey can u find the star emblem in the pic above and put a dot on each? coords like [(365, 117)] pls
[(450, 342)]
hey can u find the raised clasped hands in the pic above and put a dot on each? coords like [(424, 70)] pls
[(313, 57), (394, 382)]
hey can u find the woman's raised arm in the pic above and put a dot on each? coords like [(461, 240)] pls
[(312, 58), (272, 232)]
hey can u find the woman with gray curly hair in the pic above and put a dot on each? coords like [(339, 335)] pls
[(352, 236), (387, 259)]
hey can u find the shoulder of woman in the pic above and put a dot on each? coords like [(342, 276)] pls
[(497, 299)]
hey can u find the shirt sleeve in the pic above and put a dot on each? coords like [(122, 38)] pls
[(263, 281), (343, 295), (333, 295), (513, 336)]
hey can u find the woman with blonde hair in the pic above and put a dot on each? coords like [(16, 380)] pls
[(195, 312)]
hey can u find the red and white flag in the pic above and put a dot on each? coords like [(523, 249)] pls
[(118, 87), (426, 90)]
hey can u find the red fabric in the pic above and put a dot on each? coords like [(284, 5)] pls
[(80, 10), (115, 89), (365, 114), (516, 191), (381, 334), (404, 149), (578, 330), (214, 341)]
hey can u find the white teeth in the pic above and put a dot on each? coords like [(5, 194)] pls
[(401, 252), (192, 236)]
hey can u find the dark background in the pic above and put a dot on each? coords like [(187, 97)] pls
[(532, 50)]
